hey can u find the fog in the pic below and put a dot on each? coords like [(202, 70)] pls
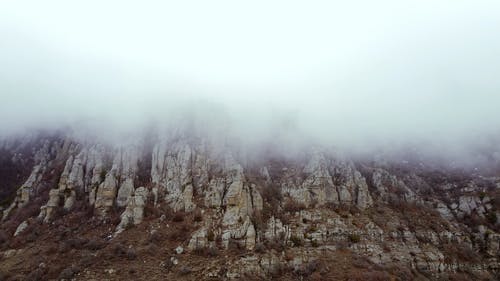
[(349, 74)]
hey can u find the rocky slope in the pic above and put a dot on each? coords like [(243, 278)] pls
[(186, 208)]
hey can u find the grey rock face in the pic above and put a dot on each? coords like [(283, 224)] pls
[(22, 226), (311, 206), (134, 212)]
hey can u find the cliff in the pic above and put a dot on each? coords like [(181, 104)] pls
[(186, 208)]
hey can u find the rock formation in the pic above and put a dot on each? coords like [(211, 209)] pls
[(300, 209)]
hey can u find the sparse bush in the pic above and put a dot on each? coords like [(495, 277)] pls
[(180, 233), (168, 264), (155, 237), (492, 217), (260, 248), (276, 244), (131, 254), (95, 245), (119, 250), (361, 262), (212, 252), (272, 193), (76, 243), (68, 273), (258, 221), (150, 211), (63, 248), (210, 235), (197, 217), (130, 223), (481, 195), (386, 248), (461, 252), (35, 275), (292, 206), (86, 260), (354, 238), (272, 200), (235, 246), (311, 229), (4, 276), (185, 270), (178, 217), (207, 251), (375, 276), (308, 269), (3, 237), (297, 241), (314, 243), (102, 175)]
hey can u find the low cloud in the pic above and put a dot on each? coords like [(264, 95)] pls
[(357, 76)]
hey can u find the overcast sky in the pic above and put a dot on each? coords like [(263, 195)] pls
[(339, 72)]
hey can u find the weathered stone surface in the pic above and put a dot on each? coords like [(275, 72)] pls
[(106, 194), (29, 188), (134, 212), (277, 230), (125, 192), (226, 189), (215, 193), (199, 239), (389, 185), (351, 185), (20, 228)]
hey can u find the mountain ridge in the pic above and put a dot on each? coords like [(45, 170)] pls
[(271, 215)]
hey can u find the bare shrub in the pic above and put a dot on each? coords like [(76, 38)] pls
[(119, 250), (235, 247), (460, 252), (180, 233), (76, 243), (276, 244), (68, 273), (375, 276), (178, 217), (36, 275), (155, 237), (197, 216), (207, 252), (297, 241), (292, 206), (354, 238), (131, 254), (308, 269), (185, 270), (272, 198), (94, 244)]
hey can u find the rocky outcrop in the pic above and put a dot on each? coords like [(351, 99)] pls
[(122, 170), (388, 185), (22, 227), (106, 193), (172, 174), (134, 212), (199, 239), (125, 192), (29, 188), (351, 185), (328, 182), (284, 213)]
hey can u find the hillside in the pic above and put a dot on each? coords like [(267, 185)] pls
[(184, 208)]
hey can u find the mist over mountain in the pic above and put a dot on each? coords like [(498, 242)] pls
[(354, 76), (261, 140)]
